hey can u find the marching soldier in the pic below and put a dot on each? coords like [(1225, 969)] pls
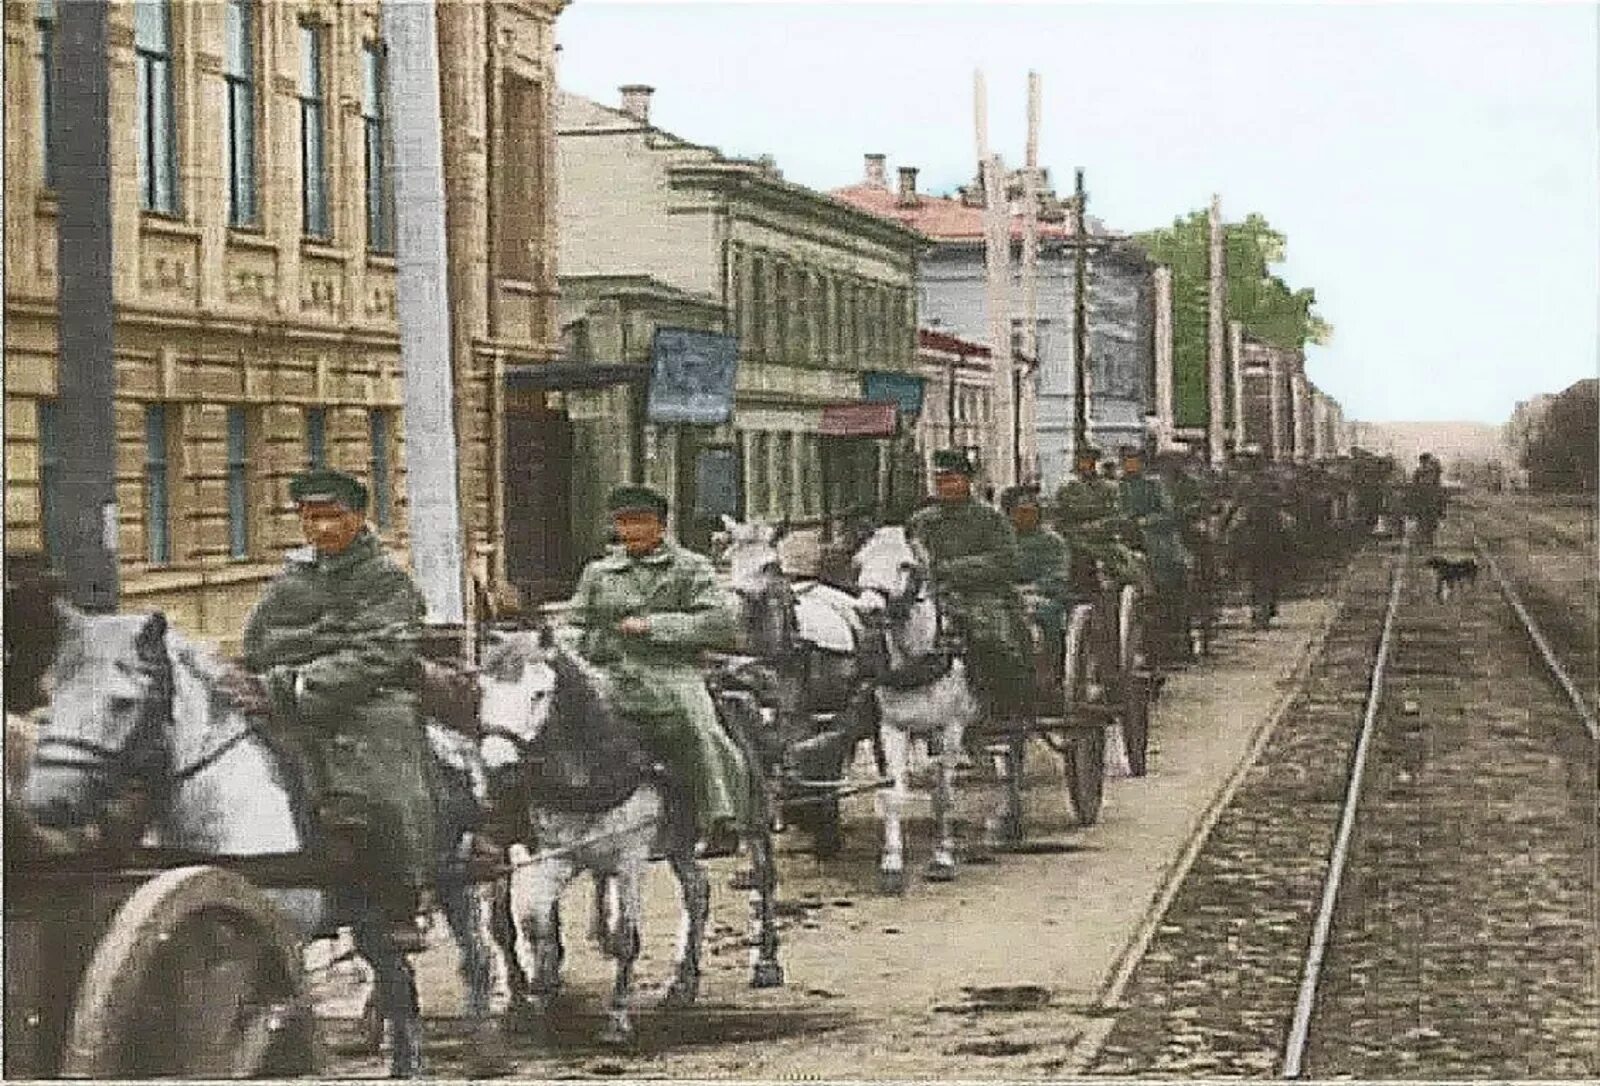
[(1147, 503), (334, 642), (647, 611), (1043, 569), (974, 552)]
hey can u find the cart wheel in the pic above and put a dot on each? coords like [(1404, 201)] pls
[(197, 975), (1134, 710), (1084, 752)]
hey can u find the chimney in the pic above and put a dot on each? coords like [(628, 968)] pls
[(878, 171), (908, 187), (636, 101)]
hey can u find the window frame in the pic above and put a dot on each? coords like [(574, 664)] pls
[(240, 89), (380, 438), (314, 424), (158, 543), (316, 220), (159, 183), (48, 427), (379, 187), (239, 486), (44, 25)]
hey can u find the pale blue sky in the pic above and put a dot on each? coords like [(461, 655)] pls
[(1435, 167)]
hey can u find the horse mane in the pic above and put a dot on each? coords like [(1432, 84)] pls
[(588, 758)]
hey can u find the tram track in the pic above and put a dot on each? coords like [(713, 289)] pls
[(1410, 869)]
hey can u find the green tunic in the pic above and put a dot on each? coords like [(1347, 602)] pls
[(974, 552), (1146, 502), (336, 638), (655, 677), (1089, 517), (1044, 564)]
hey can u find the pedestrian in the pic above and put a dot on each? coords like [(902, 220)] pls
[(646, 612), (334, 645)]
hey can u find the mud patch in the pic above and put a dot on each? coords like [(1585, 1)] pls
[(997, 1048), (1001, 999)]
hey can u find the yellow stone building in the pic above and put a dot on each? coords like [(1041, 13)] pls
[(255, 277)]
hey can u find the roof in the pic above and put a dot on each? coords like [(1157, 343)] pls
[(928, 339), (943, 218)]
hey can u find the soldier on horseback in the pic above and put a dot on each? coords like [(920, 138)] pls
[(334, 642), (647, 611), (974, 563)]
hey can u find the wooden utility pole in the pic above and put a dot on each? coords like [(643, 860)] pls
[(1280, 433), (83, 517), (1297, 409), (1236, 368), (1080, 317), (1027, 419), (422, 298), (1165, 426), (1215, 345), (1001, 469)]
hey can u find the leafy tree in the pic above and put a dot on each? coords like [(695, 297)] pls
[(1564, 454), (1258, 299)]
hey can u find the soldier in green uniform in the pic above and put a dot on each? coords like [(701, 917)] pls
[(1089, 518), (974, 553), (335, 642), (1148, 506), (647, 611), (1043, 569)]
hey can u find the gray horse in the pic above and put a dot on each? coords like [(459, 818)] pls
[(135, 704)]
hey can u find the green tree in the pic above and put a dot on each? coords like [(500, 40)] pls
[(1563, 455), (1260, 300)]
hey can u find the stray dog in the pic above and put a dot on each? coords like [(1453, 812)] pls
[(1448, 574)]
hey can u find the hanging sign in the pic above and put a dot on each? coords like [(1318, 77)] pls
[(691, 377)]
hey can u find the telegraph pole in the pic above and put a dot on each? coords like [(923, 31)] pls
[(997, 250), (1215, 344), (1026, 406), (1080, 318), (422, 298), (83, 520)]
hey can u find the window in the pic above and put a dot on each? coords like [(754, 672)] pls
[(313, 137), (780, 310), (758, 498), (239, 73), (380, 194), (44, 21), (238, 483), (517, 170), (378, 467), (49, 473), (157, 487), (758, 310), (316, 438), (158, 142), (808, 500), (783, 503)]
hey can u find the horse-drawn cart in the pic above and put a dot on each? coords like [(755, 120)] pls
[(149, 971)]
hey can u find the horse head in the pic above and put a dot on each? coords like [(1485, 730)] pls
[(891, 573), (766, 600), (110, 704), (516, 687)]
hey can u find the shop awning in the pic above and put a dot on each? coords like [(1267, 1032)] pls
[(860, 420), (574, 375)]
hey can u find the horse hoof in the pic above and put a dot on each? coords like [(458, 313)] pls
[(680, 994), (766, 975), (940, 871), (743, 879), (892, 882)]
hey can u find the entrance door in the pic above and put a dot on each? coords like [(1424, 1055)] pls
[(538, 498)]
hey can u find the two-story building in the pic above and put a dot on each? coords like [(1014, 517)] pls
[(952, 288), (657, 231), (254, 278)]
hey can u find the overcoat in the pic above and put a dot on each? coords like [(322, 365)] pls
[(655, 677), (335, 638), (1146, 501)]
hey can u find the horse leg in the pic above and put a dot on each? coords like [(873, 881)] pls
[(1005, 825), (463, 911), (536, 892), (694, 896), (503, 929), (942, 868), (891, 804), (765, 969), (600, 918), (395, 986), (629, 877)]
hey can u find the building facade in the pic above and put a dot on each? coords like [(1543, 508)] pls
[(952, 288), (819, 295), (254, 283), (958, 399)]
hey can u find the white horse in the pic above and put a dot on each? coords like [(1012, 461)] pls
[(134, 703), (594, 802), (925, 693)]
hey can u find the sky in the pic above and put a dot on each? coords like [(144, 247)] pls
[(1435, 167)]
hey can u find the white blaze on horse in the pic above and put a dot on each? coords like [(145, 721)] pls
[(924, 695), (134, 703), (592, 801)]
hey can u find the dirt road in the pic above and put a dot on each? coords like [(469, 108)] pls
[(997, 975)]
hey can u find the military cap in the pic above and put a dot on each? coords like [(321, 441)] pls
[(632, 498), (1013, 496), (1086, 452), (952, 460), (327, 485), (1131, 452)]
